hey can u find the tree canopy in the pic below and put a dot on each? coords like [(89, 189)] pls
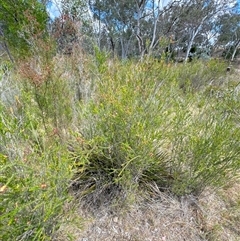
[(133, 28)]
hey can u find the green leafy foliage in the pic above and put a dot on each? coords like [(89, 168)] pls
[(20, 22)]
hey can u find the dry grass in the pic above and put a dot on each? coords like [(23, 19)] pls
[(211, 216), (222, 213)]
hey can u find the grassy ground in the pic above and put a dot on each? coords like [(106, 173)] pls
[(98, 149)]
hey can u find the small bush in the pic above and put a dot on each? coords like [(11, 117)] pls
[(141, 128), (34, 177)]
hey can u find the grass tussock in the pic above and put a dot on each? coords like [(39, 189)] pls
[(141, 127), (110, 133)]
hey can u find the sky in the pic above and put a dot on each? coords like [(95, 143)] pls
[(53, 8)]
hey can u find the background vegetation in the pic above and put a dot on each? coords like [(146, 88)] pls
[(81, 128)]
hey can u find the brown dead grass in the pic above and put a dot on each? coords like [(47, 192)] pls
[(222, 213), (212, 216)]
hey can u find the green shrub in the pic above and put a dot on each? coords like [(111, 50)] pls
[(119, 128), (44, 88), (141, 128), (205, 147), (134, 127), (34, 176)]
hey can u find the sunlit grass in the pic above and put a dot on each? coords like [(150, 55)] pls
[(107, 131)]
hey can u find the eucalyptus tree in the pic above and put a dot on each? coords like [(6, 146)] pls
[(115, 19), (195, 19), (134, 25), (160, 22), (139, 27), (229, 33), (74, 25), (76, 9), (151, 24)]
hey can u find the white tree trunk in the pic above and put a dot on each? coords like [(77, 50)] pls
[(193, 35), (138, 31), (189, 48), (235, 50)]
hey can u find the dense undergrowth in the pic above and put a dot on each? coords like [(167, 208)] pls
[(108, 130)]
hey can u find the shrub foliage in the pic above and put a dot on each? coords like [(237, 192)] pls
[(136, 124)]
